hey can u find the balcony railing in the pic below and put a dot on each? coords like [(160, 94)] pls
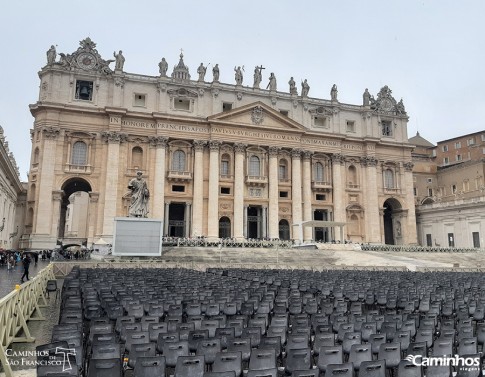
[(352, 186), (180, 176), (256, 180), (71, 168), (321, 186)]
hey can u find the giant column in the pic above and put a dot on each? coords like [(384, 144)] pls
[(158, 197), (57, 196), (410, 235), (307, 195), (213, 203), (198, 191), (372, 218), (273, 193), (92, 215), (113, 139), (296, 194), (338, 192), (43, 236), (239, 209)]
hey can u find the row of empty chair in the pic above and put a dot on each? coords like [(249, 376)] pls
[(236, 322)]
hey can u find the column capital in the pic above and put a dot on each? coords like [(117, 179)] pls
[(214, 145), (158, 141), (199, 145), (338, 158), (273, 151), (51, 132), (240, 147), (307, 155), (296, 153), (114, 137), (369, 161), (57, 195), (408, 166)]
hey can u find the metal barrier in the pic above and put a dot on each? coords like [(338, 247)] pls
[(420, 249), (20, 306), (62, 269)]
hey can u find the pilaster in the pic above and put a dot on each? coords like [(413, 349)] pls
[(198, 190), (410, 233), (296, 210), (307, 195), (372, 218), (158, 197), (213, 204), (240, 211), (273, 193), (338, 192)]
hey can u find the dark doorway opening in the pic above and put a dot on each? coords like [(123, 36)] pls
[(388, 229), (321, 234), (284, 230), (254, 222), (224, 227), (176, 220), (77, 215)]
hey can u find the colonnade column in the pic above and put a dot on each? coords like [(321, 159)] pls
[(372, 217), (111, 186), (273, 229), (409, 230), (213, 204), (160, 143), (198, 191), (296, 194), (44, 220), (239, 209), (338, 192), (307, 195)]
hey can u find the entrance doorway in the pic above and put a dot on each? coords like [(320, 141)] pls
[(74, 215), (254, 222), (284, 230), (391, 220), (176, 220), (321, 234), (224, 227)]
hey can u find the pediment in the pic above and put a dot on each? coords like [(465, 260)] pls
[(258, 115)]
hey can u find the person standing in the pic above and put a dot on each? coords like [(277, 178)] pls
[(26, 263)]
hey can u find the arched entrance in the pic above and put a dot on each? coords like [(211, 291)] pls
[(73, 222), (224, 227), (392, 223), (284, 229)]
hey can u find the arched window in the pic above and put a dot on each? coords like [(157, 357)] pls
[(225, 169), (136, 158), (254, 166), (319, 172), (79, 153), (284, 230), (389, 179), (36, 156), (283, 169), (352, 176), (178, 160), (224, 227)]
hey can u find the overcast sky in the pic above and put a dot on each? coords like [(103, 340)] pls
[(430, 53)]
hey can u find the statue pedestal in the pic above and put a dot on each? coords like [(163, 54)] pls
[(135, 236)]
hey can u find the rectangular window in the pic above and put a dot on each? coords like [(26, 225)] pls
[(319, 122), (483, 151), (433, 153), (139, 100), (284, 112), (181, 104), (470, 141), (458, 157), (283, 194), (451, 240), (350, 126), (476, 239), (444, 148), (225, 190), (429, 180), (178, 188), (320, 197), (226, 106), (429, 241), (457, 145), (84, 90), (386, 128), (446, 160), (430, 192), (453, 189), (224, 167), (483, 137), (415, 191)]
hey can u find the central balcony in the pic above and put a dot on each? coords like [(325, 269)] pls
[(179, 176), (256, 180), (321, 186)]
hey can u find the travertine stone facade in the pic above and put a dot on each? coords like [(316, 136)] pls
[(221, 160)]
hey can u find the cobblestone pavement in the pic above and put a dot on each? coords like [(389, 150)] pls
[(8, 279)]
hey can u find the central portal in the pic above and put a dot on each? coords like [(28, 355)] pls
[(321, 234), (176, 220), (254, 222)]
